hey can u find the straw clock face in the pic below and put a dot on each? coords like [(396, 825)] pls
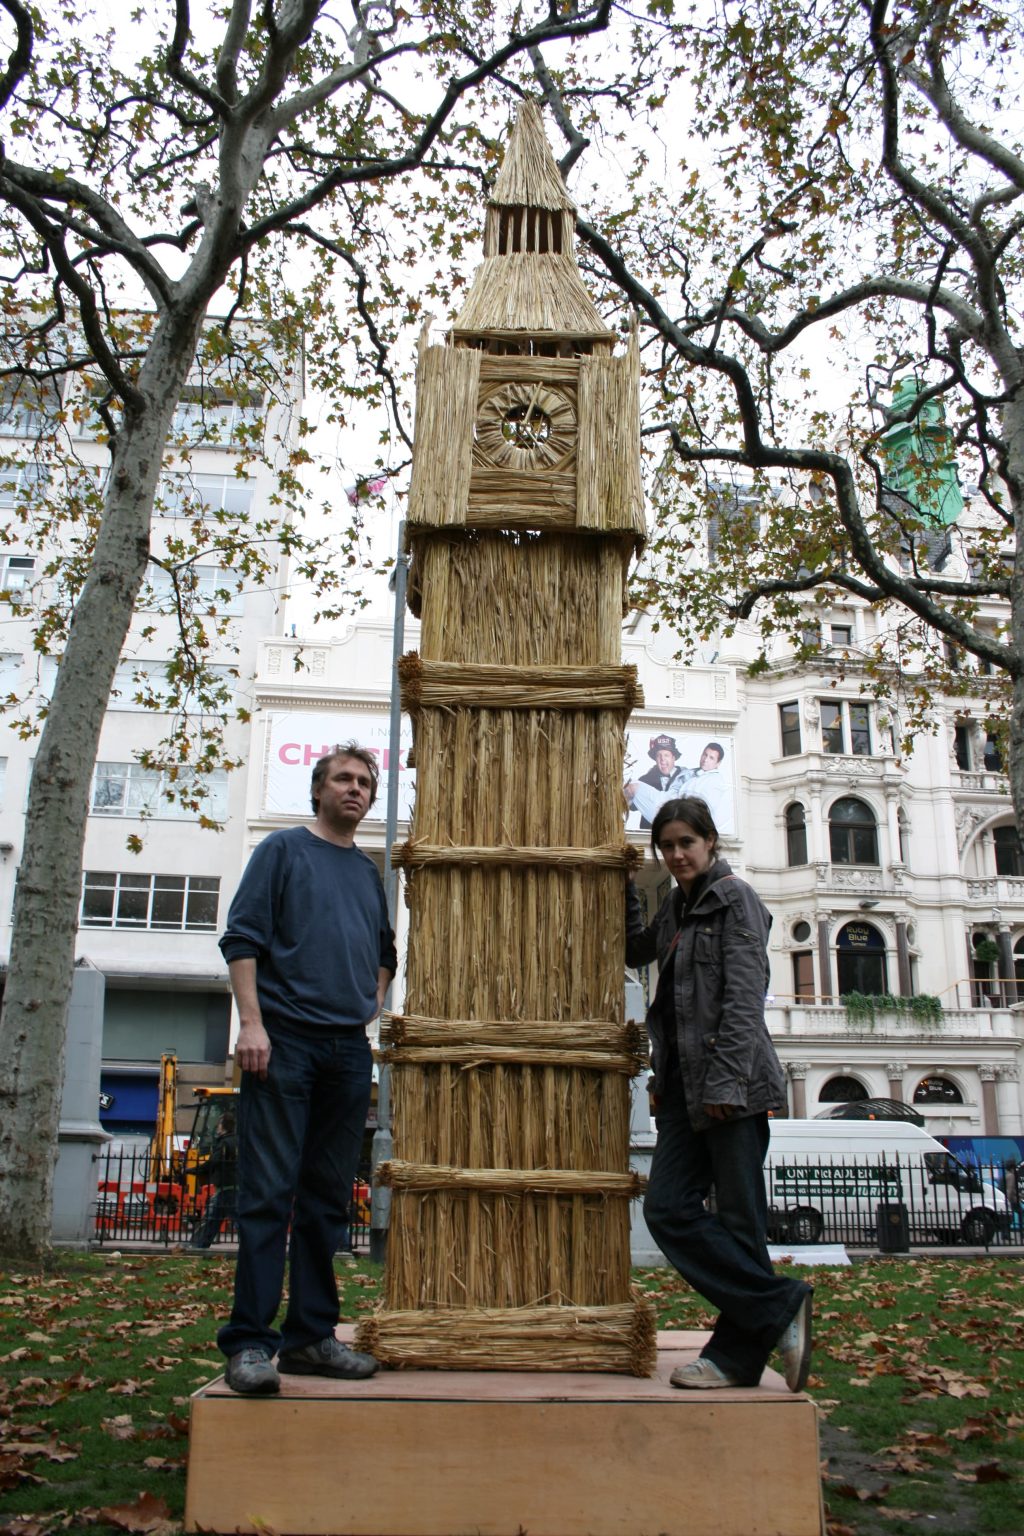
[(525, 426)]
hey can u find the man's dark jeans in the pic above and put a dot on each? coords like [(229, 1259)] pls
[(299, 1136), (723, 1255)]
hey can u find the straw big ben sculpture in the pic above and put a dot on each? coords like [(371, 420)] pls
[(509, 1239)]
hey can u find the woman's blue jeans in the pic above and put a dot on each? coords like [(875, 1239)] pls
[(722, 1254), (300, 1132)]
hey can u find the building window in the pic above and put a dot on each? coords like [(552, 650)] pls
[(962, 747), (20, 483), (860, 959), (1009, 854), (842, 1090), (841, 635), (16, 574), (853, 835), (220, 496), (210, 585), (789, 725), (796, 834), (3, 779), (845, 726), (215, 417), (993, 756), (801, 931), (937, 1090), (27, 408), (169, 903), (128, 789), (803, 973)]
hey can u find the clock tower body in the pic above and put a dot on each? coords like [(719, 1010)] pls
[(509, 1239)]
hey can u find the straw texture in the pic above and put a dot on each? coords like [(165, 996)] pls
[(551, 1338), (530, 291), (529, 175), (521, 600), (509, 1244), (447, 383), (609, 492), (484, 685)]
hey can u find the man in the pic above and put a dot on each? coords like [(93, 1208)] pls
[(707, 783), (663, 781), (220, 1171), (310, 953)]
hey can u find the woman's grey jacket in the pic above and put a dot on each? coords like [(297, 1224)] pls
[(720, 978)]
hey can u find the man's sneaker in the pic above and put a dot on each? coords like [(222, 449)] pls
[(701, 1375), (328, 1357), (252, 1371), (794, 1346)]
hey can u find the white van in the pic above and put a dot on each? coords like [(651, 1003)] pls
[(841, 1179)]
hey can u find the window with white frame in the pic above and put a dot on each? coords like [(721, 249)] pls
[(143, 685), (27, 406), (845, 727), (128, 789), (21, 482), (10, 672), (208, 584), (167, 903), (185, 495), (214, 417), (16, 574)]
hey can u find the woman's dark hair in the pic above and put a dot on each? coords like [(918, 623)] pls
[(693, 811)]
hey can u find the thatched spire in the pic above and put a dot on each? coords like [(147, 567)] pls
[(529, 177), (529, 280)]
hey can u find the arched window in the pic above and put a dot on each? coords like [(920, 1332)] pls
[(842, 1090), (853, 835), (796, 834), (860, 960), (937, 1090)]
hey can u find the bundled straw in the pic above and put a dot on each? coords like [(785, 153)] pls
[(614, 1338), (398, 1029), (484, 685), (417, 855), (396, 1174)]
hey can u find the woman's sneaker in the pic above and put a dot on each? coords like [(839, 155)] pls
[(794, 1345), (252, 1372), (702, 1375)]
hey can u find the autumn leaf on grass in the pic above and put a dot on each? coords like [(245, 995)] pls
[(984, 1472), (120, 1428), (889, 1513), (27, 1525), (13, 1470), (148, 1515), (974, 1429), (863, 1495), (839, 1528), (128, 1387)]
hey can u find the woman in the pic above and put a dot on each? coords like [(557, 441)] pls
[(716, 1077)]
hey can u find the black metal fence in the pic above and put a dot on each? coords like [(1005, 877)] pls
[(140, 1204), (892, 1204)]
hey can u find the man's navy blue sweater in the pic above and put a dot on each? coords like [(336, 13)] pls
[(314, 918)]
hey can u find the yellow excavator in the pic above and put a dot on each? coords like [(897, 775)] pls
[(174, 1179)]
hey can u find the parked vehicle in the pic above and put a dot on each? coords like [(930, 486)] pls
[(840, 1179)]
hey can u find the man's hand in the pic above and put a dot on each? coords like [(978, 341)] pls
[(719, 1111), (252, 1049)]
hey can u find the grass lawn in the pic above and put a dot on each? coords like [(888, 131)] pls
[(919, 1371)]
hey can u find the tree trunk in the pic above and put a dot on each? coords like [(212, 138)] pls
[(33, 1020), (1013, 428)]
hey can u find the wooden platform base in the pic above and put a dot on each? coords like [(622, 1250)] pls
[(432, 1453)]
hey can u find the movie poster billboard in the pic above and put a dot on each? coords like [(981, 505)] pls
[(296, 740), (664, 764)]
